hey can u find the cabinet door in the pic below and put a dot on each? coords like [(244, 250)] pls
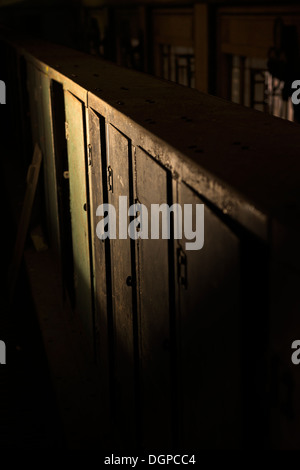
[(75, 130), (209, 335), (101, 277), (154, 311), (119, 168)]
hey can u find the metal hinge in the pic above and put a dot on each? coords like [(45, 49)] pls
[(90, 154), (109, 178), (67, 131), (182, 267)]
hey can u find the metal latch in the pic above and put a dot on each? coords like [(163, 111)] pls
[(90, 162), (109, 178), (67, 131), (182, 267)]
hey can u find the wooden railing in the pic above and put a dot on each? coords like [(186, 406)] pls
[(193, 347)]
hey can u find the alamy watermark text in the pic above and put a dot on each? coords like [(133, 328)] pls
[(165, 222)]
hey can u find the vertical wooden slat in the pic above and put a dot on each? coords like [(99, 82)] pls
[(154, 314), (63, 189), (97, 162), (79, 218), (118, 160)]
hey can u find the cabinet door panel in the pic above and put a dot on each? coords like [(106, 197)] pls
[(75, 121), (209, 337), (119, 154), (154, 311)]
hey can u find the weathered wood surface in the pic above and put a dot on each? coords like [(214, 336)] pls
[(242, 160)]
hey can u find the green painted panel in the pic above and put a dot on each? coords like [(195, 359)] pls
[(75, 124)]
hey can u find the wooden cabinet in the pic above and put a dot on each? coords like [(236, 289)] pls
[(192, 346)]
